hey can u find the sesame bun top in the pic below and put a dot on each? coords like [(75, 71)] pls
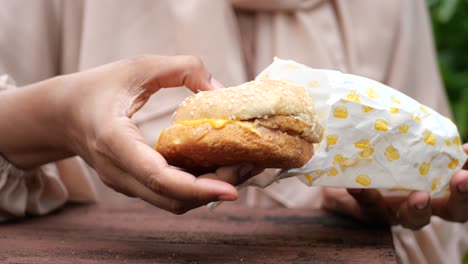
[(256, 99)]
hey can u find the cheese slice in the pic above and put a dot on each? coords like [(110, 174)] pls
[(220, 123)]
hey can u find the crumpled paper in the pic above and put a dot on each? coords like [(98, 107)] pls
[(374, 136)]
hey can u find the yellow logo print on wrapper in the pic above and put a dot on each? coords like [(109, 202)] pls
[(429, 138), (417, 118), (339, 158), (424, 109), (365, 145), (367, 109), (313, 84), (404, 129), (371, 93), (353, 97), (319, 172), (366, 153), (394, 110), (340, 112), (424, 168), (291, 66), (363, 180), (448, 143), (309, 178), (400, 189), (381, 125), (332, 139), (435, 183), (332, 172), (395, 99), (362, 144), (391, 153), (453, 163)]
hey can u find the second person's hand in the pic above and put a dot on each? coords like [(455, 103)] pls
[(414, 211)]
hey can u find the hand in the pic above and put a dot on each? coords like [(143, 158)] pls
[(413, 212), (88, 114)]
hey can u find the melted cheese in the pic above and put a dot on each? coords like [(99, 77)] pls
[(215, 123), (159, 139), (220, 123)]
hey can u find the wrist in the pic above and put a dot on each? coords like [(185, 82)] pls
[(32, 124), (58, 95)]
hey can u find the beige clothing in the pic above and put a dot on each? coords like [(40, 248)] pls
[(389, 41), (41, 190)]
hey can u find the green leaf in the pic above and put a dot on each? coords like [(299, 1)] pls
[(450, 26), (446, 10)]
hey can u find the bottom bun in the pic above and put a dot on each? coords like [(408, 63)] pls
[(202, 147)]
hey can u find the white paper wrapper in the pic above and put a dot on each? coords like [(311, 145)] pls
[(374, 136)]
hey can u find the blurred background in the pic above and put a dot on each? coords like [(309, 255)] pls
[(450, 24)]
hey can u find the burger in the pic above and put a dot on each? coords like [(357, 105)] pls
[(268, 123)]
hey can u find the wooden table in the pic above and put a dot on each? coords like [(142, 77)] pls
[(130, 231)]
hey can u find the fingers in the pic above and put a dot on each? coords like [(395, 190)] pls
[(372, 205), (215, 83), (124, 183), (125, 148), (234, 175), (338, 200), (458, 201), (416, 211), (172, 71), (455, 208)]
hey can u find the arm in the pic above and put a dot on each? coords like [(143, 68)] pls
[(31, 123), (89, 114)]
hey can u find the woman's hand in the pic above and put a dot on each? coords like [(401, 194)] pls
[(88, 114), (414, 212)]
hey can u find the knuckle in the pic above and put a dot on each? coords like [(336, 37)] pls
[(194, 63), (327, 197), (143, 59), (198, 197), (104, 139), (153, 182), (330, 203), (108, 181), (136, 65)]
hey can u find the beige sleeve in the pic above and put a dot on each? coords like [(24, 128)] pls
[(30, 51), (44, 189)]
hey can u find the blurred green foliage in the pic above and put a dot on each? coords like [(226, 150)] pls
[(450, 25)]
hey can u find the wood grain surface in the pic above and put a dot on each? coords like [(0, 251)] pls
[(130, 231)]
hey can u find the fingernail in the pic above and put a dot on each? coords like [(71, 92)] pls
[(463, 188), (216, 84), (422, 205), (245, 170), (226, 197)]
